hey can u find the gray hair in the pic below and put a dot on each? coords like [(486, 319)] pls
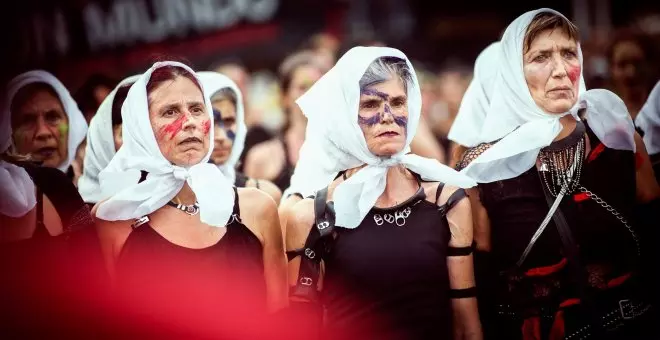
[(225, 93), (383, 69)]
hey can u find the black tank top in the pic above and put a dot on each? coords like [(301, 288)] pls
[(388, 277), (74, 213), (210, 276)]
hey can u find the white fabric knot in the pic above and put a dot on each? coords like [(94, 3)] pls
[(180, 173)]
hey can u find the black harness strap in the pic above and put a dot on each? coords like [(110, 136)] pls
[(315, 245), (463, 293), (455, 197), (40, 229)]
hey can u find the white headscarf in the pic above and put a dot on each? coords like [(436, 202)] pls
[(466, 129), (331, 106), (214, 82), (16, 186), (119, 180), (100, 147), (648, 120), (77, 122), (524, 128)]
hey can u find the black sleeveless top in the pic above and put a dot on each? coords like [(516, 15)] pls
[(42, 277), (607, 250), (74, 213), (388, 277), (211, 276)]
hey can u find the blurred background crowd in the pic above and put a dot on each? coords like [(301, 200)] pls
[(275, 49)]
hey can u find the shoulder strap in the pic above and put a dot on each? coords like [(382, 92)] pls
[(236, 213), (455, 197), (315, 245), (40, 228)]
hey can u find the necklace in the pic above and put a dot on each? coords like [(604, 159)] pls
[(191, 210), (561, 162), (398, 218)]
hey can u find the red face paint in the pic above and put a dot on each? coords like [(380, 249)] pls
[(174, 128), (574, 73), (206, 127)]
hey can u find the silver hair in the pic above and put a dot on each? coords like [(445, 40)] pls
[(383, 69)]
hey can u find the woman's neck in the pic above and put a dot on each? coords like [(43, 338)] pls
[(400, 185), (568, 124), (186, 196)]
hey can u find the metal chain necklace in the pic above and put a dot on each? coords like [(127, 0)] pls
[(562, 167), (191, 210), (399, 217)]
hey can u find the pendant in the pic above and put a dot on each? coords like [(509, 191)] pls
[(191, 210)]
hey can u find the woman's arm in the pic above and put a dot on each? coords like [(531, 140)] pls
[(647, 186), (112, 236), (267, 220), (461, 269), (266, 186), (299, 221)]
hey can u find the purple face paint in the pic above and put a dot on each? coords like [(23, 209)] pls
[(401, 121), (371, 121)]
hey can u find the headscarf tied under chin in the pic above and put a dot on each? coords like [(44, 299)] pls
[(214, 82), (119, 180), (100, 147), (523, 127), (77, 123), (337, 143), (648, 120)]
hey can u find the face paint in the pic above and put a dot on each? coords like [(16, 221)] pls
[(206, 127), (381, 95), (231, 135), (174, 128), (63, 128), (371, 121), (573, 73), (401, 121), (217, 115)]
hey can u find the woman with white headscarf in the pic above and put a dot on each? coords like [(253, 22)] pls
[(173, 228), (539, 164), (103, 140), (47, 123), (392, 229), (46, 238), (38, 201), (230, 131)]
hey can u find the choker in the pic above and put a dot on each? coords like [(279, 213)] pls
[(562, 161), (191, 210)]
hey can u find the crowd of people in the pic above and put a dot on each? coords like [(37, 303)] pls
[(517, 201)]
